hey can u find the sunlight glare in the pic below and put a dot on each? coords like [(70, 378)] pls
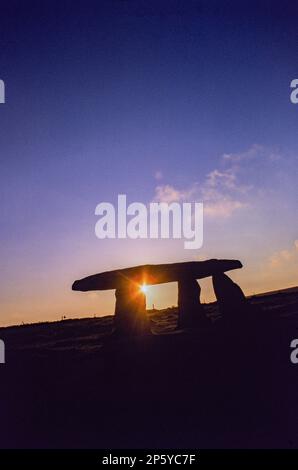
[(144, 288)]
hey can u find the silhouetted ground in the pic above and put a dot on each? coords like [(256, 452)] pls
[(70, 384)]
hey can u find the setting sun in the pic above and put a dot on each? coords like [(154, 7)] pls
[(144, 288)]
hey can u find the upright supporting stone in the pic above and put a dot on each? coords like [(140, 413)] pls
[(130, 311), (190, 310), (230, 298)]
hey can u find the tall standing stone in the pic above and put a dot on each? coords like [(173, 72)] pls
[(190, 310), (130, 311), (230, 298)]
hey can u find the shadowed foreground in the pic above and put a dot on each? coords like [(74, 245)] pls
[(70, 384)]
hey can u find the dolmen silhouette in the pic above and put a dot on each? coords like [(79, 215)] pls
[(130, 310)]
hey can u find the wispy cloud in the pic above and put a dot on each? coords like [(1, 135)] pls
[(167, 193), (223, 208), (256, 151), (284, 257), (221, 191), (217, 193)]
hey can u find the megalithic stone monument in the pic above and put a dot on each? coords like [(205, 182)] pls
[(230, 298), (130, 312)]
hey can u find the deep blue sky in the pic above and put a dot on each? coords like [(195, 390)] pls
[(100, 96)]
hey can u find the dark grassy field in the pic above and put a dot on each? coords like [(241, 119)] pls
[(71, 384)]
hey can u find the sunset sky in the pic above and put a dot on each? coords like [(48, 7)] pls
[(161, 101)]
